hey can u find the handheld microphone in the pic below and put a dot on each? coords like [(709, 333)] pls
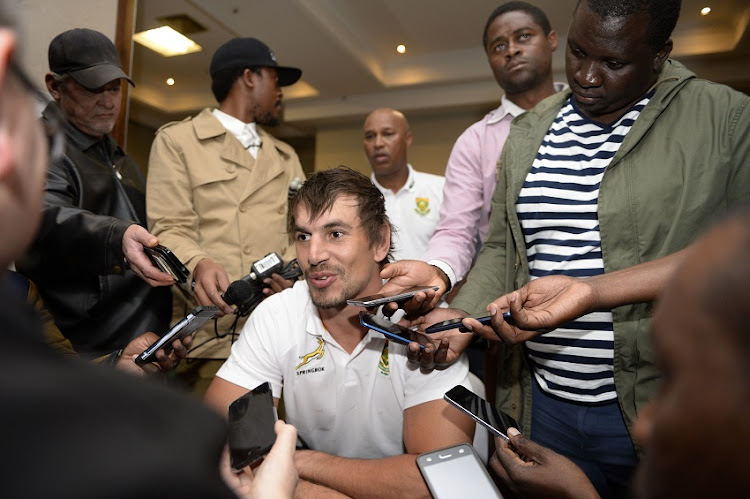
[(247, 292), (240, 291)]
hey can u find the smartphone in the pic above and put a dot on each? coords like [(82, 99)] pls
[(166, 261), (186, 326), (482, 411), (376, 300), (458, 323), (455, 473), (250, 432), (393, 331)]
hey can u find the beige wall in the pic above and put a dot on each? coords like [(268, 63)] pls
[(434, 136)]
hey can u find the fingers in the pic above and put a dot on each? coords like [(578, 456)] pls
[(425, 357), (276, 284)]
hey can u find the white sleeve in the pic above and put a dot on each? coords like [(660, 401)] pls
[(255, 354), (422, 386)]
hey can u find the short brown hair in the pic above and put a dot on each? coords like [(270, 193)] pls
[(323, 188)]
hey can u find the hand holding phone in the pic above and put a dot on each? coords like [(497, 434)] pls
[(456, 472), (188, 325), (166, 261), (485, 320), (393, 331), (377, 300), (251, 421), (481, 411)]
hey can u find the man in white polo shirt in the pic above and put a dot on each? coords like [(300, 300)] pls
[(412, 198), (356, 402)]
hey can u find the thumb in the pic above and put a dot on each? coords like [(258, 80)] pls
[(524, 446), (390, 270)]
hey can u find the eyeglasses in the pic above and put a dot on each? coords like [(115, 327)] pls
[(53, 119)]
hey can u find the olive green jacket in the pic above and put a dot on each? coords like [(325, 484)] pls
[(685, 161)]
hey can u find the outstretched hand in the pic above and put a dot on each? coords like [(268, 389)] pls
[(538, 307), (405, 274), (276, 477), (449, 345), (531, 470), (133, 241), (164, 361)]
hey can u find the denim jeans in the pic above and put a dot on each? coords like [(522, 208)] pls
[(594, 436)]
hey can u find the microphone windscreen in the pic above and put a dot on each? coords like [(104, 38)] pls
[(238, 292)]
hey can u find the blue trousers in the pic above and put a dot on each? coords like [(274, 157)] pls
[(594, 436)]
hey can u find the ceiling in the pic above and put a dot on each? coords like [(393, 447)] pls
[(346, 50)]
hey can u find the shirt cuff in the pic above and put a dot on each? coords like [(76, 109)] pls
[(448, 271)]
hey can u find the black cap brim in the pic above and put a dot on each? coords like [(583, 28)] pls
[(98, 76), (287, 76)]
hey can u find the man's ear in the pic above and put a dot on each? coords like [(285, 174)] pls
[(7, 46), (53, 86), (409, 138), (382, 247), (661, 56), (552, 39), (248, 77)]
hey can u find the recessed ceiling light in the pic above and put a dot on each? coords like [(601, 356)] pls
[(167, 42), (401, 49), (170, 81), (705, 11)]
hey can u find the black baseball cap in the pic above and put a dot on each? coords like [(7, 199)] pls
[(89, 57), (250, 52)]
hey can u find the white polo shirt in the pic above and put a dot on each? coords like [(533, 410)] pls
[(414, 211), (342, 404)]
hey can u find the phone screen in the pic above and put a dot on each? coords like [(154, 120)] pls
[(251, 434), (456, 472), (393, 331), (482, 411)]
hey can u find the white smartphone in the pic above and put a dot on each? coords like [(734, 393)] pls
[(456, 473), (376, 300)]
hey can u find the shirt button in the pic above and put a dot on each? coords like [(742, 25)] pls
[(117, 269), (281, 210), (246, 249), (243, 208), (230, 168)]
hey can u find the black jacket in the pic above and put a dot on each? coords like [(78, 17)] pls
[(91, 197)]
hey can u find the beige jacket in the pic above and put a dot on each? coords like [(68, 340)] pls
[(207, 197)]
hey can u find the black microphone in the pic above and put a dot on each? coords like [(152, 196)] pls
[(243, 291)]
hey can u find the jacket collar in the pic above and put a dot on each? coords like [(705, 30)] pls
[(78, 139)]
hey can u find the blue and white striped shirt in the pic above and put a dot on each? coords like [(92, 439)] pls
[(557, 208)]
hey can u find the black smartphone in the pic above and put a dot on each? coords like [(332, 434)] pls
[(187, 326), (457, 323), (456, 472), (393, 331), (250, 433), (482, 411), (166, 261), (377, 300)]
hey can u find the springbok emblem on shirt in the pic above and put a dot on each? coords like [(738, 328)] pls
[(315, 354)]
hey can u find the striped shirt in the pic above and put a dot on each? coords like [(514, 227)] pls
[(557, 208)]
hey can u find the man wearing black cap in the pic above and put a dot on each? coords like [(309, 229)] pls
[(88, 260), (218, 186)]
